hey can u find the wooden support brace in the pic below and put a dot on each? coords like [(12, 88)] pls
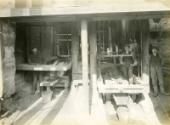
[(74, 50), (145, 53), (93, 52), (84, 50), (1, 68), (93, 63)]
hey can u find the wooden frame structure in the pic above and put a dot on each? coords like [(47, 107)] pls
[(84, 16)]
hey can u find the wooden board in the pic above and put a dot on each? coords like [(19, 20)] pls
[(123, 88), (47, 83), (41, 67), (1, 68), (118, 55), (84, 51)]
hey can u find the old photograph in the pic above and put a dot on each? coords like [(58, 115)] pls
[(84, 62)]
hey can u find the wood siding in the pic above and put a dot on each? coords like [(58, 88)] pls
[(165, 53), (33, 36)]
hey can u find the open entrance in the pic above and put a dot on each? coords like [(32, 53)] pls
[(119, 45), (43, 52), (120, 54), (38, 63)]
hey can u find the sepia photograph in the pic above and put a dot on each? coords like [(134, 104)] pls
[(84, 62)]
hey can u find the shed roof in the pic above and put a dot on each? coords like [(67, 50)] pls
[(14, 8)]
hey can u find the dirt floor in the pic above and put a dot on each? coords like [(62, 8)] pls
[(71, 107), (137, 114)]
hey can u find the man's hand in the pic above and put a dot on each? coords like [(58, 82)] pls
[(134, 64), (121, 60)]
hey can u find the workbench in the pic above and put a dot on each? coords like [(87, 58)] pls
[(60, 67)]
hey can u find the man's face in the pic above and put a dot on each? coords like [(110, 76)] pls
[(154, 51), (34, 51), (127, 49)]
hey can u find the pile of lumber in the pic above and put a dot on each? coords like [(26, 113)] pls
[(114, 73)]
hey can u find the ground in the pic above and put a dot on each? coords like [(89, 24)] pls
[(71, 107)]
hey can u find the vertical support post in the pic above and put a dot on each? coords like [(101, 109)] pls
[(93, 62), (93, 53), (110, 36), (124, 28), (1, 68), (145, 61), (145, 53), (84, 50), (74, 50)]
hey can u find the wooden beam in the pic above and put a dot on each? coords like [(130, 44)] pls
[(84, 51), (75, 50), (110, 36), (124, 29), (93, 52), (145, 51), (93, 62), (42, 67), (1, 63)]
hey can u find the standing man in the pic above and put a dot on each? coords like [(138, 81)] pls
[(35, 59), (156, 72), (129, 62)]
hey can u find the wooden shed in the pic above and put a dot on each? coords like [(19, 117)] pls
[(83, 32)]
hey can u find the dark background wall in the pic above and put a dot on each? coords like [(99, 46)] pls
[(29, 36), (165, 53), (41, 35)]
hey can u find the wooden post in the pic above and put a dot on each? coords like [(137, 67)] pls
[(84, 50), (110, 36), (145, 53), (93, 53), (93, 63), (124, 28), (1, 63), (74, 50)]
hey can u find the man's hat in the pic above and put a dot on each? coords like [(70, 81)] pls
[(154, 47)]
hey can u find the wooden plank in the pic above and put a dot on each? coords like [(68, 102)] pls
[(111, 87), (75, 50), (145, 52), (133, 89), (65, 40), (110, 36), (60, 34), (93, 62), (46, 35), (21, 3), (124, 29), (1, 63), (47, 83), (84, 50), (93, 52), (94, 17), (117, 55), (37, 3), (40, 67)]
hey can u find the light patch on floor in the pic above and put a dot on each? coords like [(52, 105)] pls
[(40, 115)]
